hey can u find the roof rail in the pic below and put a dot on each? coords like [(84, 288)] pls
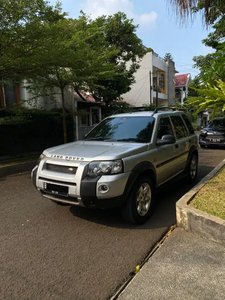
[(163, 108), (130, 109)]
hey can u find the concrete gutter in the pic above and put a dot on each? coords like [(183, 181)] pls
[(19, 167), (197, 221)]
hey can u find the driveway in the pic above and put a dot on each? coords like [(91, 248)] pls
[(62, 252)]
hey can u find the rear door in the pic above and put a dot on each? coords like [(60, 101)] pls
[(182, 142)]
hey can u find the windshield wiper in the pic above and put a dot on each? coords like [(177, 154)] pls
[(137, 140)]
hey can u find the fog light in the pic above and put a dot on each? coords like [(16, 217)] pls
[(103, 188)]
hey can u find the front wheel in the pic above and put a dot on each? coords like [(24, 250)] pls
[(139, 204), (192, 168)]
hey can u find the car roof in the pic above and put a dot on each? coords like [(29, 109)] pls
[(147, 113)]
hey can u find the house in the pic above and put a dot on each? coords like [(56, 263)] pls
[(89, 111), (154, 82), (182, 82)]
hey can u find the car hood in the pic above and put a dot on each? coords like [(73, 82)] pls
[(95, 150), (215, 131)]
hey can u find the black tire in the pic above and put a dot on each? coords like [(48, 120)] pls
[(192, 168), (134, 209), (202, 146)]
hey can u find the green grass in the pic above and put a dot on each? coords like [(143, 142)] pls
[(18, 160), (211, 197)]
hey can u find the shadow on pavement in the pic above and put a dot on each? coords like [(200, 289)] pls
[(164, 214)]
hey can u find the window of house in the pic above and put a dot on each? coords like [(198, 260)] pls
[(155, 83), (84, 120), (162, 82), (96, 115), (91, 118), (10, 93), (179, 127)]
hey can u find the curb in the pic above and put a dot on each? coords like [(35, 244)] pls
[(202, 223), (17, 168)]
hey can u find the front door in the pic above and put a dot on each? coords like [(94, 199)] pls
[(166, 164)]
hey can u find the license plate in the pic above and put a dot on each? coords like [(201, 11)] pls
[(215, 140), (56, 189)]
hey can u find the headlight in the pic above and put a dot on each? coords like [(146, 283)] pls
[(203, 131), (42, 156), (99, 168)]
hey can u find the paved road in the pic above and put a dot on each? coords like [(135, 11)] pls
[(53, 252)]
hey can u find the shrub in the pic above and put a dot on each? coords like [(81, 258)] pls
[(23, 130)]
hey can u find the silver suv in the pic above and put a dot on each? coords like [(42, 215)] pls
[(120, 163)]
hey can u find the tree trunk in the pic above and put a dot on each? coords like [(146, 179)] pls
[(64, 116)]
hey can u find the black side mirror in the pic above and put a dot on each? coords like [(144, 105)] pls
[(166, 140)]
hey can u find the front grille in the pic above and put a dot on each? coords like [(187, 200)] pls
[(47, 180), (61, 169)]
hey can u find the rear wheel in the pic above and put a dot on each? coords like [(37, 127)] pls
[(192, 168), (139, 203)]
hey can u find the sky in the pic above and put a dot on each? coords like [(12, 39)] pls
[(158, 27)]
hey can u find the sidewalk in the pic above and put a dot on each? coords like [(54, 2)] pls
[(186, 267)]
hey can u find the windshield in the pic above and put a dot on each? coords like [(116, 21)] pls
[(127, 129), (217, 123)]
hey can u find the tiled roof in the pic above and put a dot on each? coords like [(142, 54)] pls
[(87, 97), (182, 79)]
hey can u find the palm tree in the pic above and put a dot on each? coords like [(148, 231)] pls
[(184, 8)]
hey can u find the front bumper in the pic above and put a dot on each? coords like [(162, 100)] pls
[(218, 142), (82, 191)]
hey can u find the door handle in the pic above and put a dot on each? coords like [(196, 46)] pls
[(176, 145)]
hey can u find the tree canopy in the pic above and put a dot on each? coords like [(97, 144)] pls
[(212, 97), (23, 32), (168, 56), (39, 43), (119, 33)]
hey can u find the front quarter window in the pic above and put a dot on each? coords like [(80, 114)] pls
[(126, 129)]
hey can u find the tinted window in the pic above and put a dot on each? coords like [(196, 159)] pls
[(179, 127), (188, 123), (164, 127), (128, 129)]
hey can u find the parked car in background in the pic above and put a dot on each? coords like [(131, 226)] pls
[(120, 163), (213, 134)]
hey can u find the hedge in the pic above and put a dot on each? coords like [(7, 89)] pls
[(23, 131)]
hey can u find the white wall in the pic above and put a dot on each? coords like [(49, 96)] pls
[(53, 101), (140, 90), (159, 62)]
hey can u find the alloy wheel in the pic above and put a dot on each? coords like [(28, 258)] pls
[(144, 196)]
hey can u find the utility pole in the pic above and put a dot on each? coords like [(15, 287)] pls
[(157, 89), (150, 90)]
